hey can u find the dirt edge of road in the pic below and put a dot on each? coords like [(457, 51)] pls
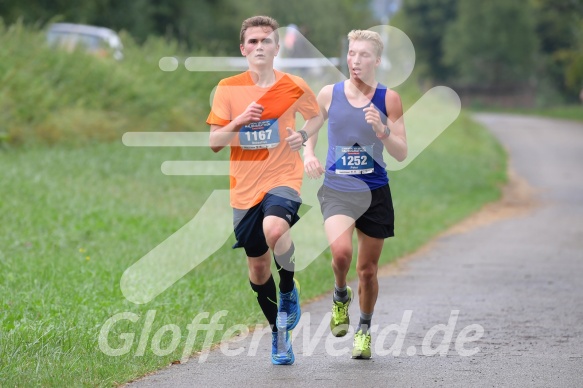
[(518, 198)]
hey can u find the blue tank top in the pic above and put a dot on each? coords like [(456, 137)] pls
[(355, 155)]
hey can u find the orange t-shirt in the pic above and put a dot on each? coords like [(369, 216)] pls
[(260, 157)]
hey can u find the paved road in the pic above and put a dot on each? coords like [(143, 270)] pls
[(517, 283)]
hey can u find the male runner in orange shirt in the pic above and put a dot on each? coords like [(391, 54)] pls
[(254, 112)]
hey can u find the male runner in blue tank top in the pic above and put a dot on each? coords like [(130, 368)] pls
[(355, 193)]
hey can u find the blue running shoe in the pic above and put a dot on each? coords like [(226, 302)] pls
[(281, 348), (289, 311)]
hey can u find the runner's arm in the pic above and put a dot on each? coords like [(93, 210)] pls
[(396, 142), (221, 136), (312, 165)]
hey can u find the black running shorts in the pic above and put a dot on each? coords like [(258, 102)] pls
[(372, 210)]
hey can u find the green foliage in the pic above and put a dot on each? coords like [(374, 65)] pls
[(327, 22), (499, 44), (75, 98), (426, 23), (566, 112), (50, 95), (574, 71), (210, 24), (492, 43), (560, 28)]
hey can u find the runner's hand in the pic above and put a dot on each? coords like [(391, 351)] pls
[(312, 167), (251, 114), (373, 117), (294, 139)]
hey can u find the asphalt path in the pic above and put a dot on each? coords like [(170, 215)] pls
[(496, 303)]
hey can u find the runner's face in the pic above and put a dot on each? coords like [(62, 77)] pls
[(259, 46), (362, 60)]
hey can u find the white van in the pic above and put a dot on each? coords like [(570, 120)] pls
[(98, 41)]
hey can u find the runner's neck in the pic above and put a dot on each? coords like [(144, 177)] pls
[(263, 78), (357, 88)]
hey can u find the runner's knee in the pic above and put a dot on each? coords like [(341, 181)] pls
[(341, 255), (274, 232), (259, 268), (367, 272)]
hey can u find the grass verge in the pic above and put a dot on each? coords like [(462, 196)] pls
[(567, 112)]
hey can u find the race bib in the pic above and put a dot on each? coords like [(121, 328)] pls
[(354, 160), (259, 135)]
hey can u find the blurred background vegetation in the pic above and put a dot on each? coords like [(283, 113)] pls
[(517, 54)]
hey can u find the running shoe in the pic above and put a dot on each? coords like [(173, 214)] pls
[(361, 348), (281, 348), (340, 321), (289, 308)]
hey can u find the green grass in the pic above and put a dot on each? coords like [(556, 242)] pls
[(568, 112), (75, 218)]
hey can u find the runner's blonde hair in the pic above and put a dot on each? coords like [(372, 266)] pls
[(371, 36)]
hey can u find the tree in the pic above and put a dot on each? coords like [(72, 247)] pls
[(211, 25), (425, 22), (492, 43), (327, 22), (560, 29)]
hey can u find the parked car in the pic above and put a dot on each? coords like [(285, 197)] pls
[(95, 40)]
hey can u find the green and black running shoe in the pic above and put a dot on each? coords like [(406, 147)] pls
[(361, 348), (340, 321)]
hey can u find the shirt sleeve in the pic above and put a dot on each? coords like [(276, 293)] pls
[(221, 108), (307, 104)]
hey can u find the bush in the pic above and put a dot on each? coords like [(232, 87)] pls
[(52, 96)]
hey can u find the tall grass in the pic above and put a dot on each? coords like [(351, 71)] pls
[(52, 96)]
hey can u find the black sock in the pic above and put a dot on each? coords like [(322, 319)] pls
[(286, 269), (267, 298)]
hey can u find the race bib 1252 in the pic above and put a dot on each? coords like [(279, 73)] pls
[(354, 160)]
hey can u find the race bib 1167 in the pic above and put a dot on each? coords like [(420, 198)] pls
[(259, 135)]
